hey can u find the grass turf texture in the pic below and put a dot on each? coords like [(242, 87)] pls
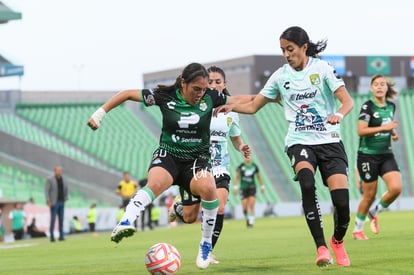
[(274, 246)]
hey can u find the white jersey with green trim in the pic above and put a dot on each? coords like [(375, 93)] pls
[(308, 100), (221, 127)]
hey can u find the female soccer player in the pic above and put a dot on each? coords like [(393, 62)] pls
[(307, 87), (246, 174), (376, 128), (182, 157), (221, 127)]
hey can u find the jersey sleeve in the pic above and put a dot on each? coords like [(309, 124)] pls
[(365, 112), (271, 89), (148, 97), (332, 79), (234, 130), (218, 98)]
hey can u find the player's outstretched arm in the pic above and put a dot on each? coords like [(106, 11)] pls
[(113, 102)]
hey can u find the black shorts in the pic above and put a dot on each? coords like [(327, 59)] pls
[(372, 166), (223, 181), (248, 192), (182, 171), (330, 158)]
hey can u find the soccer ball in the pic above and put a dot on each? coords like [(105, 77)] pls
[(162, 259)]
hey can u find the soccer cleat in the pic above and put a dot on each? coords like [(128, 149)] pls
[(374, 224), (324, 257), (203, 257), (175, 212), (359, 235), (123, 230), (341, 256), (213, 259)]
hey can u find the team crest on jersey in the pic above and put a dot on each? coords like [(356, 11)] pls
[(229, 121), (203, 105), (315, 79)]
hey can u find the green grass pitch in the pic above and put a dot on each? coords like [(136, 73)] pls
[(278, 245)]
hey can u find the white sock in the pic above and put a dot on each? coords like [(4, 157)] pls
[(137, 204), (209, 213), (359, 224), (251, 218)]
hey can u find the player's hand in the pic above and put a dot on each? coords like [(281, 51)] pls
[(335, 118), (245, 150), (394, 136), (223, 108), (92, 124), (96, 118)]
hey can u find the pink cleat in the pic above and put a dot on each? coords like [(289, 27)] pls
[(338, 248), (324, 257), (374, 224), (359, 235)]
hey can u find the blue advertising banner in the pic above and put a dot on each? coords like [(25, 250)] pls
[(11, 70), (412, 65), (336, 61)]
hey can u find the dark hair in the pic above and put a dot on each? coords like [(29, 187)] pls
[(299, 36), (215, 69), (391, 92), (189, 74)]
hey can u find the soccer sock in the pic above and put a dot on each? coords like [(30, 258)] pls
[(311, 206), (340, 200), (378, 208), (359, 222), (251, 218), (217, 228), (137, 204), (208, 213)]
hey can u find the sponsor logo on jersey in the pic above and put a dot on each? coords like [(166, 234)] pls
[(156, 161), (149, 99), (188, 118), (305, 95), (171, 105), (218, 133), (176, 138), (308, 119)]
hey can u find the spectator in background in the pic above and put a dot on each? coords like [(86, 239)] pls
[(147, 210), (155, 215), (126, 188), (120, 213), (56, 191), (91, 217), (33, 231), (75, 225), (246, 174), (18, 219)]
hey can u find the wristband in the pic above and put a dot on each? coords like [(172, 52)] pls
[(263, 187), (339, 114), (236, 187), (98, 116)]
